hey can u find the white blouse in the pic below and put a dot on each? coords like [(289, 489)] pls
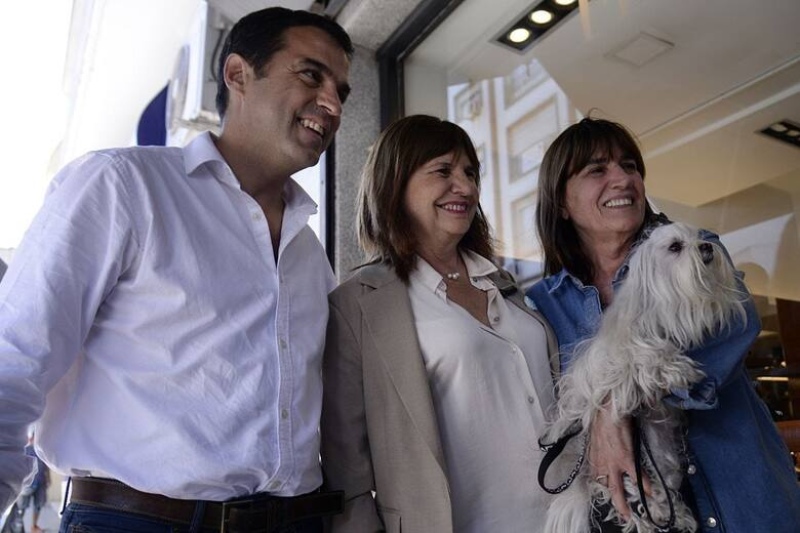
[(489, 385)]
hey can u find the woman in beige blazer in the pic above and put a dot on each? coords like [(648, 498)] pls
[(436, 375)]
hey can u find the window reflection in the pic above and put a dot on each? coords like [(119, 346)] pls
[(697, 106)]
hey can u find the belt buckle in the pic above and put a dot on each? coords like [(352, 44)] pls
[(235, 504)]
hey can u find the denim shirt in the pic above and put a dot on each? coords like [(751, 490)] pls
[(737, 464)]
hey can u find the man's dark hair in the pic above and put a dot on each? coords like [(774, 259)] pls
[(260, 35)]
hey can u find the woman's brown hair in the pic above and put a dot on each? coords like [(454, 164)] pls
[(384, 228), (572, 150)]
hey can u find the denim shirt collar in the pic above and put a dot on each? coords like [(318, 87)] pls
[(564, 276), (655, 220)]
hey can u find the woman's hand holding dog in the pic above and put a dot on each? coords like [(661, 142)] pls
[(611, 458)]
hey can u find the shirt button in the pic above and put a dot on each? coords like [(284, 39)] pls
[(531, 399), (274, 485), (496, 319), (284, 414), (256, 216), (691, 470), (282, 343), (711, 521)]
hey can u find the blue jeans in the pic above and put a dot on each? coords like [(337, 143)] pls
[(80, 518)]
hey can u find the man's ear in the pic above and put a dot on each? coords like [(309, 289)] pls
[(235, 72), (564, 212)]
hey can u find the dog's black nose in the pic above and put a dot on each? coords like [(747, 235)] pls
[(706, 252)]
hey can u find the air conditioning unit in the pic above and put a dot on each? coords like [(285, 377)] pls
[(193, 85)]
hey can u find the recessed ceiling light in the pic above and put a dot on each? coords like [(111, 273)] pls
[(541, 16), (784, 130), (519, 35), (534, 23)]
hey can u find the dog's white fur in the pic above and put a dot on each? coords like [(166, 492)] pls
[(670, 302)]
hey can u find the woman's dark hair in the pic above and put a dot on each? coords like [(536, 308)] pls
[(260, 35), (384, 228), (572, 150)]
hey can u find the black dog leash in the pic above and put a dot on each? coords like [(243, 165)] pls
[(639, 443), (552, 451)]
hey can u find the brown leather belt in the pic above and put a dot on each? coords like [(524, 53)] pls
[(260, 513)]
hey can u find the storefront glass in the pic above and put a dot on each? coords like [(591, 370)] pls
[(695, 81)]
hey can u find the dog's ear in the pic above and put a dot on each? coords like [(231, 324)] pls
[(656, 220)]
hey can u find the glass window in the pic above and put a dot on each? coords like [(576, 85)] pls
[(697, 82)]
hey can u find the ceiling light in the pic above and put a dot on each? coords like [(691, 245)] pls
[(785, 130), (537, 20), (541, 16), (519, 35)]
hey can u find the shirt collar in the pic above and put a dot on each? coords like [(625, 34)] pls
[(562, 277), (297, 198), (202, 151), (425, 274), (657, 219), (477, 265)]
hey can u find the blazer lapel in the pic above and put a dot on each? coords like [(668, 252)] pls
[(389, 319)]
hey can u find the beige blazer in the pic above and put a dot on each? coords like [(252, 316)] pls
[(379, 429)]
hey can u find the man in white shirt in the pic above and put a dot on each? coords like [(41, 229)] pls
[(164, 316)]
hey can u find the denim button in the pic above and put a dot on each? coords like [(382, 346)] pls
[(711, 521), (691, 470)]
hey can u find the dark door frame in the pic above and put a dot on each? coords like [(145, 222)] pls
[(425, 18), (422, 22)]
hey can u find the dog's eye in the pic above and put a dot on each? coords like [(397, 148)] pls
[(676, 247)]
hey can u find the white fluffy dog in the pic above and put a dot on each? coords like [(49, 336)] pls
[(679, 290)]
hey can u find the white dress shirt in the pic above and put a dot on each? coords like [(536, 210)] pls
[(487, 385), (176, 356)]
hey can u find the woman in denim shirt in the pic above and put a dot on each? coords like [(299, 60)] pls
[(591, 210)]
